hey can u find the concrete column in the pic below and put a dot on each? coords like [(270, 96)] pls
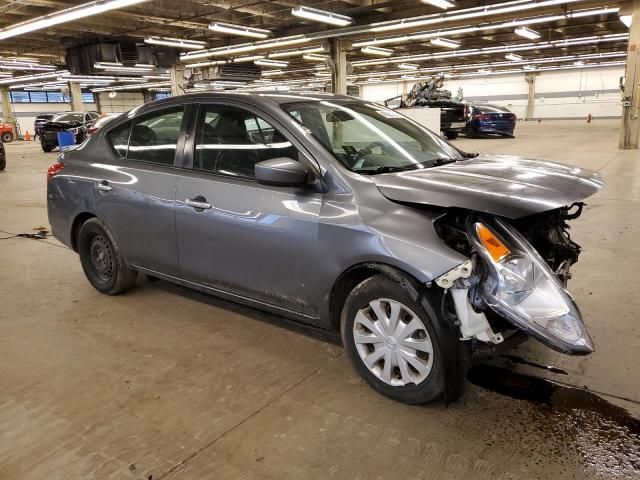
[(338, 52), (7, 109), (630, 125), (76, 97), (177, 80), (531, 99)]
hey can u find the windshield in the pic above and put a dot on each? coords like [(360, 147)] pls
[(68, 117), (369, 138)]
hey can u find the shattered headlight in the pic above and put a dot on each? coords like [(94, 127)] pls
[(521, 287)]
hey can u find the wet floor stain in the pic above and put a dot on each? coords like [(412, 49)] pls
[(606, 436)]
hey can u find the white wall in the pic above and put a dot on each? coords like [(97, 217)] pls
[(560, 94), (122, 102)]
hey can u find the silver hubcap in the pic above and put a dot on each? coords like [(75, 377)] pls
[(393, 342)]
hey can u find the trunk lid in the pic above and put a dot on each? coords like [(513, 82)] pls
[(503, 185)]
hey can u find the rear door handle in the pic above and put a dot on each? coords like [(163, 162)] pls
[(104, 186), (199, 203)]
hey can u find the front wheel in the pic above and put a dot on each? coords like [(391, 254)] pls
[(391, 341), (7, 137), (46, 148), (3, 163), (102, 260), (451, 135)]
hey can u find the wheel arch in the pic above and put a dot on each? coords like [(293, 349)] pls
[(455, 354), (76, 225), (358, 273)]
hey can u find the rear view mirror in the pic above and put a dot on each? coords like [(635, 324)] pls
[(283, 172), (338, 116)]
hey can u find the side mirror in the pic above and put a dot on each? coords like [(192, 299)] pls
[(283, 172)]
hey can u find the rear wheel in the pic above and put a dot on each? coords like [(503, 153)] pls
[(7, 137), (3, 163), (391, 341), (102, 260), (451, 135), (46, 147)]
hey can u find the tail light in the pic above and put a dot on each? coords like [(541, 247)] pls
[(54, 169), (482, 116)]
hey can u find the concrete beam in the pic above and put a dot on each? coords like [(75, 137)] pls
[(531, 97), (630, 125), (75, 94), (338, 52), (177, 80)]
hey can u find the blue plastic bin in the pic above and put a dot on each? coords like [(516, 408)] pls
[(66, 139)]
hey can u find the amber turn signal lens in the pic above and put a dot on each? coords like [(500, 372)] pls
[(495, 247)]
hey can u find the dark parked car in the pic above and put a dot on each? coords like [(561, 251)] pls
[(3, 156), (334, 212), (490, 120), (41, 120), (76, 122)]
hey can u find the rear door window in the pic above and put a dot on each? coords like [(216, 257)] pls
[(154, 137)]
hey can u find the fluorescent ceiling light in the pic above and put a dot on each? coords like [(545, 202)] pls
[(296, 52), (527, 33), (247, 58), (314, 57), (513, 56), (381, 52), (529, 67), (5, 74), (444, 4), (206, 64), (120, 67), (239, 30), (157, 77), (322, 74), (626, 19), (36, 77), (64, 16), (21, 66), (579, 63), (484, 70), (408, 77), (132, 87), (266, 62), (244, 47), (321, 16), (408, 66), (443, 42), (176, 42)]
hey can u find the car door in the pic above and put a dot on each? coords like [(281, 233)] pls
[(234, 234), (135, 190)]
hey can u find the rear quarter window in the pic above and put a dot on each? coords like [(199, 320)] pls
[(118, 139)]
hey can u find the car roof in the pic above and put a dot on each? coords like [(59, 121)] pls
[(257, 97)]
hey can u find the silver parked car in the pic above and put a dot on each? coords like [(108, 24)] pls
[(338, 213)]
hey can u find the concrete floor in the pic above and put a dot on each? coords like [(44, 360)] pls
[(164, 383)]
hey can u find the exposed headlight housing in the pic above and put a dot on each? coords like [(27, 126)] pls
[(521, 287)]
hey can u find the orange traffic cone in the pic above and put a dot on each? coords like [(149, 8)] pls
[(27, 137)]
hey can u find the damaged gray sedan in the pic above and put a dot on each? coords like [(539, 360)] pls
[(334, 212)]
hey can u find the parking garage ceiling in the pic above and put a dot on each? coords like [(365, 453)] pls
[(419, 38)]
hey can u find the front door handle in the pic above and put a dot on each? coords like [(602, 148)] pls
[(104, 186), (199, 203)]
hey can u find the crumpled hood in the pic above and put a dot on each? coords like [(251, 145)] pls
[(503, 185)]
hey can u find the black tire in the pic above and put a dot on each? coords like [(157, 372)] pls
[(451, 135), (102, 260), (7, 137), (46, 148), (3, 163), (382, 287)]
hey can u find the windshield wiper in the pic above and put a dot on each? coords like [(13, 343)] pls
[(385, 169), (436, 162)]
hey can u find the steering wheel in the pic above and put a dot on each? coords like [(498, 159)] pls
[(365, 151)]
